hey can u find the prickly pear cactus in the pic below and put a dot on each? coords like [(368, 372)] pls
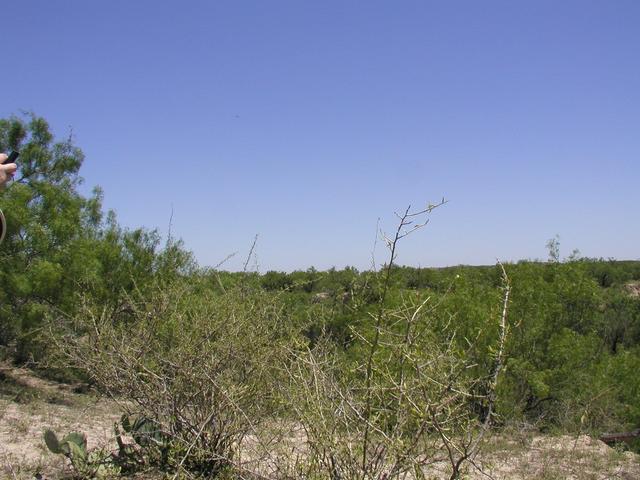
[(51, 440), (144, 431), (80, 439), (95, 465), (73, 446)]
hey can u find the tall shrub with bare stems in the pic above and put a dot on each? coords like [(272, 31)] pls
[(406, 402)]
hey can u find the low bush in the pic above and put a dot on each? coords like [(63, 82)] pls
[(199, 365)]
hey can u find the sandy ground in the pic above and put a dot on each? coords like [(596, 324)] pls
[(561, 457), (29, 405)]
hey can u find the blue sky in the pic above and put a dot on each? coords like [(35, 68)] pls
[(305, 122)]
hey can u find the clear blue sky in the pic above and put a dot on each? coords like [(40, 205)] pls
[(306, 121)]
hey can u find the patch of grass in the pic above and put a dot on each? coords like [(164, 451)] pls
[(17, 391), (59, 399)]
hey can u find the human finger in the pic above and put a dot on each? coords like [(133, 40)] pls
[(9, 168)]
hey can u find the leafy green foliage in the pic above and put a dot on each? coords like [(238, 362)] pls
[(575, 330), (59, 246)]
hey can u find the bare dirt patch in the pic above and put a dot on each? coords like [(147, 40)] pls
[(633, 289), (557, 457)]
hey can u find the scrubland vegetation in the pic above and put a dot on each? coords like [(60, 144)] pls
[(341, 374)]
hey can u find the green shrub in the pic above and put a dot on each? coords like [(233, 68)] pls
[(198, 366)]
